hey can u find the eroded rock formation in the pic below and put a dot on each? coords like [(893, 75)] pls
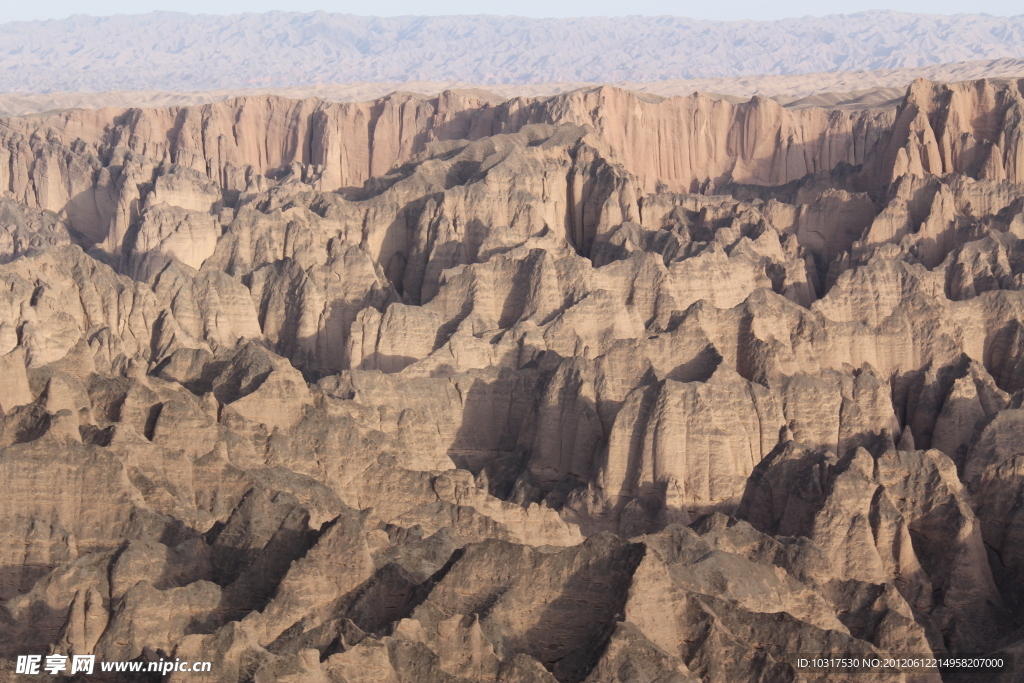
[(596, 387)]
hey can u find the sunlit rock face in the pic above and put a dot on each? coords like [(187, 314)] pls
[(596, 387)]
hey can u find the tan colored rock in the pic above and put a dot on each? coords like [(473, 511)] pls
[(14, 380), (338, 392), (190, 237), (63, 498), (87, 619), (157, 618)]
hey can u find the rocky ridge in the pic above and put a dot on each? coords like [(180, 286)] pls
[(595, 387)]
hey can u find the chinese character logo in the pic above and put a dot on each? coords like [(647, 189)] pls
[(56, 664), (83, 664), (28, 664)]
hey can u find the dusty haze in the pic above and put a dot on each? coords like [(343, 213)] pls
[(182, 52)]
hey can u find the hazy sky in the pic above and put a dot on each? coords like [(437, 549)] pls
[(20, 10)]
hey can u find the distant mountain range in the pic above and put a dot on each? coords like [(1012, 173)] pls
[(176, 51)]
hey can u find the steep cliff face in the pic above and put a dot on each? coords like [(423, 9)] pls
[(681, 143), (970, 127), (457, 389)]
